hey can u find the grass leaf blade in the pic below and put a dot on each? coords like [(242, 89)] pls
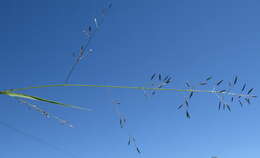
[(20, 95)]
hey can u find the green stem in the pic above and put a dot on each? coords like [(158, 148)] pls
[(127, 87)]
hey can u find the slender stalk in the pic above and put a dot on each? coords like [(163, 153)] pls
[(81, 56), (128, 87)]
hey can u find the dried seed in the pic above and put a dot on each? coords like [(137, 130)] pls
[(203, 83), (219, 105), (160, 86), (224, 106), (129, 141), (153, 76), (187, 114), (243, 88), (110, 5), (96, 23), (81, 51), (138, 150), (191, 94), (241, 104), (168, 80), (180, 106), (219, 82), (228, 107), (248, 100), (116, 102), (186, 103), (250, 90), (232, 98), (160, 77), (235, 81), (121, 123), (165, 78), (222, 91), (209, 78), (90, 51), (187, 84)]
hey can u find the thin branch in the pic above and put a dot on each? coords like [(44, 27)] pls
[(45, 113), (91, 35)]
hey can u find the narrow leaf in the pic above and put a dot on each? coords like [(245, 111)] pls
[(20, 95)]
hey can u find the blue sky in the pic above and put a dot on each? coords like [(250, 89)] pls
[(190, 40)]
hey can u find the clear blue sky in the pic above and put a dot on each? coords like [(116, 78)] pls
[(189, 39)]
